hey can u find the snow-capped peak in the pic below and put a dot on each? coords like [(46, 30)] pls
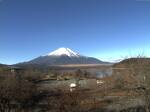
[(64, 51)]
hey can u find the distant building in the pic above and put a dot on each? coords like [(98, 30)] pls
[(99, 82), (15, 70), (73, 86)]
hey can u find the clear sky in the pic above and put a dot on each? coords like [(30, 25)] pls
[(105, 29)]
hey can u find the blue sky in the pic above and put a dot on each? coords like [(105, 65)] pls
[(105, 29)]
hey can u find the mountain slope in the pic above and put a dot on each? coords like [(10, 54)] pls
[(62, 60), (133, 61), (2, 65), (63, 56)]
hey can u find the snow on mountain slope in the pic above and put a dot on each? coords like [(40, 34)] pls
[(64, 51)]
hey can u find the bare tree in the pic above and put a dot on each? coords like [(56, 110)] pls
[(14, 92), (66, 102)]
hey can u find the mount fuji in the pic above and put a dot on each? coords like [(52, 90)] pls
[(62, 56)]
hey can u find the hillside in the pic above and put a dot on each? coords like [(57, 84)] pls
[(3, 65), (133, 62), (134, 70)]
